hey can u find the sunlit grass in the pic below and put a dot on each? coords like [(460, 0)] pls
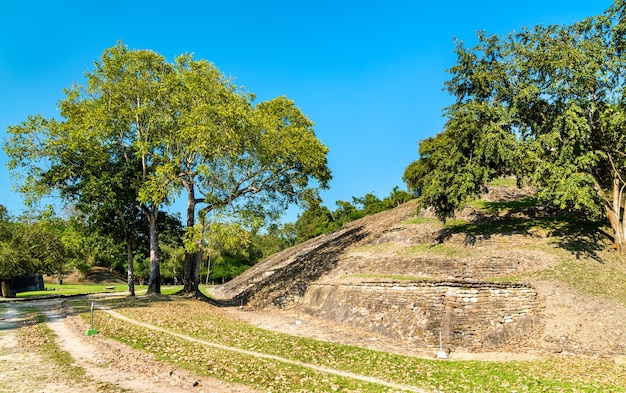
[(205, 322), (422, 221), (504, 182), (86, 289)]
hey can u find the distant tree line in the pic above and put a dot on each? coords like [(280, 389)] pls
[(317, 219), (45, 243)]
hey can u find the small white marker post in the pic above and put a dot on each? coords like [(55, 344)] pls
[(441, 354), (298, 321), (91, 331)]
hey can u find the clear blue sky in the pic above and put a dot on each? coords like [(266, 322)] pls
[(369, 74)]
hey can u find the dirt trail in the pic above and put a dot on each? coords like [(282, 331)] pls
[(110, 365), (24, 371)]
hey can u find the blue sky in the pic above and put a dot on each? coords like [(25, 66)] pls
[(369, 74)]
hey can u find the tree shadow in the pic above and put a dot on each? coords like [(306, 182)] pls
[(575, 233)]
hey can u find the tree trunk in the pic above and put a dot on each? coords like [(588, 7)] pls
[(154, 283), (617, 219), (131, 267), (5, 289), (191, 276)]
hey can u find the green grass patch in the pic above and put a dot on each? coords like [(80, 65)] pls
[(454, 222), (504, 182), (422, 220), (394, 277), (503, 207), (208, 323), (85, 289), (439, 249)]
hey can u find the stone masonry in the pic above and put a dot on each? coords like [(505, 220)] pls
[(469, 315)]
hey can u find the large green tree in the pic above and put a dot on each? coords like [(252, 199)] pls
[(545, 104), (142, 129), (104, 152), (231, 155)]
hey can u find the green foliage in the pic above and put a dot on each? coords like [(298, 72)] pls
[(30, 247), (314, 221), (277, 238), (318, 219), (545, 105)]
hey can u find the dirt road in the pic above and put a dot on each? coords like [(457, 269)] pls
[(109, 365)]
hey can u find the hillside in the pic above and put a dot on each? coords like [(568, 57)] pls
[(503, 244)]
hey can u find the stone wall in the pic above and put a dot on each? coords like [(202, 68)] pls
[(469, 315)]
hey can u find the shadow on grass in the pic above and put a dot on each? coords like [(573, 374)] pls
[(577, 234), (507, 206)]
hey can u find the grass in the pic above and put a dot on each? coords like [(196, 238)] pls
[(40, 339), (503, 207), (36, 337), (440, 249), (205, 322), (602, 274), (84, 289), (394, 277), (504, 182), (422, 221)]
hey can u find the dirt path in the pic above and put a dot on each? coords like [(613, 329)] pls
[(110, 366), (315, 367), (24, 371)]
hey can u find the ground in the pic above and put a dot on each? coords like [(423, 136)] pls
[(575, 322), (110, 366), (113, 367)]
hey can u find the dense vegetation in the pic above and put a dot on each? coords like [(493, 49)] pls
[(46, 243), (546, 105), (140, 131)]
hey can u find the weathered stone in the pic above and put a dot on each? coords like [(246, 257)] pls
[(418, 311)]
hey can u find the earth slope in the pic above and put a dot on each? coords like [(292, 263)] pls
[(574, 272)]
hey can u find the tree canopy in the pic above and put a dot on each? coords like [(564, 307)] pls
[(30, 246), (545, 104), (142, 129)]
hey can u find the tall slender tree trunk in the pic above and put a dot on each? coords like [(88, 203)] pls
[(191, 270), (5, 288), (131, 266), (616, 218), (154, 283)]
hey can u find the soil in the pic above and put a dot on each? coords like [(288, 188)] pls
[(110, 365), (114, 367), (572, 323)]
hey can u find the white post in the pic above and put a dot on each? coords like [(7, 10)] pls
[(441, 354)]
